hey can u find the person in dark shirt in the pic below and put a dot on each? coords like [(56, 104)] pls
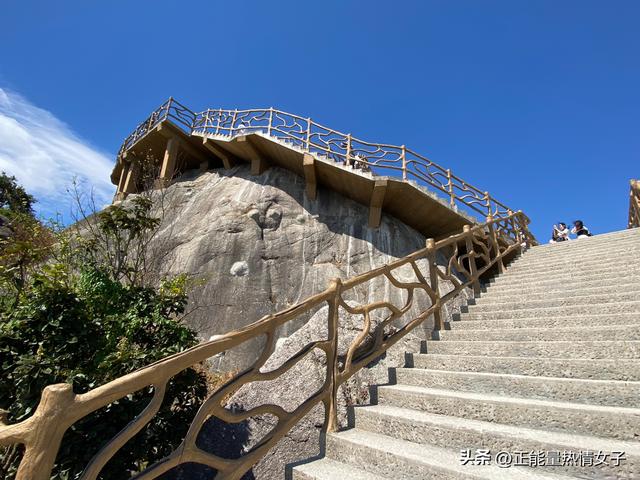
[(579, 230)]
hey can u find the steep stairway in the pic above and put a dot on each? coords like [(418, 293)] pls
[(545, 365)]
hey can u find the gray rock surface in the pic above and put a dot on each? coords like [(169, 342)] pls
[(260, 245)]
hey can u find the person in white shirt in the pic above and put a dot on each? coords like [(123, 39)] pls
[(560, 233)]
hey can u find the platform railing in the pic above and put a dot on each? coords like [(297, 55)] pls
[(171, 110), (634, 204), (308, 136), (471, 254)]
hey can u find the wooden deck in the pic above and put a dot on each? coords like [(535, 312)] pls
[(177, 151)]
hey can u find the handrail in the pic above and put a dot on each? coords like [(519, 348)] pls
[(470, 255), (169, 110), (309, 136), (634, 204)]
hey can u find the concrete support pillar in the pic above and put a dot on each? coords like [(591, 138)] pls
[(308, 164), (131, 181), (228, 160), (258, 165), (120, 195), (123, 177), (376, 202), (258, 162), (168, 169)]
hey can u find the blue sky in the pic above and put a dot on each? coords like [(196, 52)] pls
[(537, 102)]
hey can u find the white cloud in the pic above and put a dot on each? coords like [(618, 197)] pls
[(45, 155)]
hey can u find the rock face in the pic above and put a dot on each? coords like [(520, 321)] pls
[(260, 245)]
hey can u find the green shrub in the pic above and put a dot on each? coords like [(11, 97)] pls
[(75, 316)]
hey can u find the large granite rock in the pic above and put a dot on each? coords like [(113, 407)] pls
[(260, 245)]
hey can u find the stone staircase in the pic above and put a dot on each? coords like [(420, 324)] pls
[(545, 366)]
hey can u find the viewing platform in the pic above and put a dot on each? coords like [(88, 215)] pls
[(393, 179)]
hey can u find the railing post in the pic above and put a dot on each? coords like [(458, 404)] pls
[(452, 197), (218, 122), (634, 204), (404, 163), (233, 122), (471, 255), (631, 208), (55, 413), (487, 201), (270, 121), (169, 103), (515, 225), (433, 281), (524, 225), (524, 228), (331, 414), (494, 242), (308, 137), (205, 125), (347, 159)]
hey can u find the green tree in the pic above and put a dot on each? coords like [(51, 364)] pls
[(14, 197), (27, 244), (81, 314)]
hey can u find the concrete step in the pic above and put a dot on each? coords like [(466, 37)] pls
[(581, 252), (563, 263), (524, 302), (541, 312), (502, 295), (582, 248), (611, 238), (391, 457), (542, 290), (459, 434), (587, 281), (602, 249), (577, 273), (595, 392), (609, 332), (601, 369), (327, 469), (597, 349), (573, 272), (601, 421), (586, 321), (575, 248)]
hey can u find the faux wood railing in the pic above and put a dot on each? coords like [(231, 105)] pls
[(634, 205), (470, 254), (309, 136)]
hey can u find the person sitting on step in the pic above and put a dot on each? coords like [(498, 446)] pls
[(560, 233), (579, 230)]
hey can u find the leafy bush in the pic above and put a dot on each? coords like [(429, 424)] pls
[(80, 314)]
